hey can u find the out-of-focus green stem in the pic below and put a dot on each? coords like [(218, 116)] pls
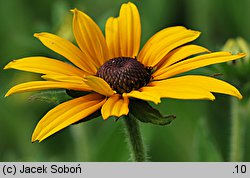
[(238, 119)]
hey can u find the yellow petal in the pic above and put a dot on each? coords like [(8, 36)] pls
[(68, 50), (89, 38), (204, 82), (197, 62), (64, 78), (178, 55), (163, 42), (123, 34), (99, 85), (44, 65), (144, 95), (177, 90), (116, 105), (112, 37), (45, 85), (66, 114)]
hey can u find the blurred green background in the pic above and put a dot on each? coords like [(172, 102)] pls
[(201, 131)]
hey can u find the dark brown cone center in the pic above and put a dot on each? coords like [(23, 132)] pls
[(124, 74)]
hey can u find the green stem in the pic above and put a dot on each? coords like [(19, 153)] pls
[(135, 140), (238, 117)]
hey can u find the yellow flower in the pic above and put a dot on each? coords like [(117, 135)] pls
[(113, 70)]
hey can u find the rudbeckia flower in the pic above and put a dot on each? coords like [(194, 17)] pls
[(113, 70)]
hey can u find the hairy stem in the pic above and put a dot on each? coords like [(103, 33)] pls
[(136, 144), (238, 118)]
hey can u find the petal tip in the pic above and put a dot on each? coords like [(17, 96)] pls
[(9, 65), (6, 67), (241, 54), (207, 50), (10, 92), (239, 96), (35, 137), (104, 118), (107, 117), (7, 94), (196, 32), (211, 97), (36, 35), (130, 3), (74, 10), (34, 140), (157, 100)]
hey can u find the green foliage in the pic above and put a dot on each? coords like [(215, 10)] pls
[(142, 111), (54, 97)]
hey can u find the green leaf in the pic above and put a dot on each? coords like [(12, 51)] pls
[(51, 96), (76, 94), (142, 111)]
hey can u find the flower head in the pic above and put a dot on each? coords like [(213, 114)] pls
[(113, 71), (236, 71)]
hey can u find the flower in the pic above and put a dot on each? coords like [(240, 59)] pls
[(113, 70), (236, 71)]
